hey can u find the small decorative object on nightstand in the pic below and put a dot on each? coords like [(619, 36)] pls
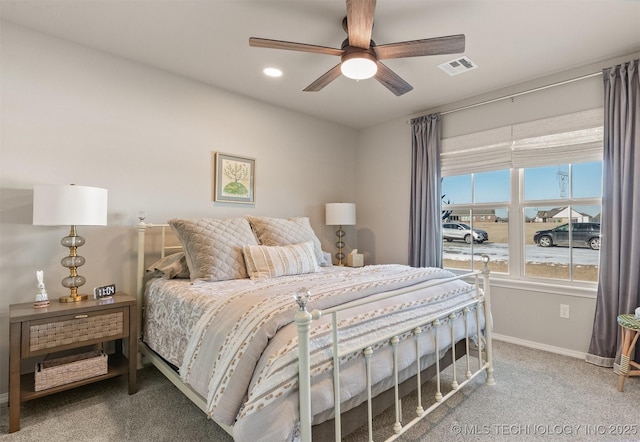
[(630, 332), (355, 259), (42, 299)]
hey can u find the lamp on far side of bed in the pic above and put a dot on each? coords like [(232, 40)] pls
[(340, 214), (60, 205)]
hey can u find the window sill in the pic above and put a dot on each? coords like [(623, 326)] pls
[(579, 289)]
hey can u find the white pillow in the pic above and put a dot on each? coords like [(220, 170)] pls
[(274, 261), (213, 247), (281, 232)]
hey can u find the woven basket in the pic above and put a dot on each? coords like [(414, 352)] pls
[(54, 372), (70, 331)]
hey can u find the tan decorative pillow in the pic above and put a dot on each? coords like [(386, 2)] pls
[(213, 247), (282, 232), (172, 266), (274, 261)]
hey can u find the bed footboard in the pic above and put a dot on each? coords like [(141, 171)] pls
[(484, 362), (353, 419)]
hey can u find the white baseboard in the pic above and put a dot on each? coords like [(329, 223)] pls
[(539, 346), (4, 398)]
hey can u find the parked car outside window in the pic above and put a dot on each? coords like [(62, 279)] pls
[(462, 231), (582, 234)]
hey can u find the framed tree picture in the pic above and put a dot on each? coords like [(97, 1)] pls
[(233, 178)]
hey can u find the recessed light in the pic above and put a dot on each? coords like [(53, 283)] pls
[(272, 72)]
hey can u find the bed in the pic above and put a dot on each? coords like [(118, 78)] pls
[(225, 316)]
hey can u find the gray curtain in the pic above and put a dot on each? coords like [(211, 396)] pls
[(619, 279), (425, 223)]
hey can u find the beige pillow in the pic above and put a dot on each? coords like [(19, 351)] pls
[(282, 232), (213, 247), (274, 261), (172, 266)]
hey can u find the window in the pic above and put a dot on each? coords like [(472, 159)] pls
[(529, 196), (560, 233), (562, 221), (479, 205)]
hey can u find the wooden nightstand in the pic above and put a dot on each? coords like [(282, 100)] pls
[(57, 328)]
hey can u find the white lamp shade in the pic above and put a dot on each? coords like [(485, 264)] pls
[(69, 205), (340, 214)]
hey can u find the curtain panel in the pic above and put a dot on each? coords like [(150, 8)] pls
[(619, 278), (425, 217)]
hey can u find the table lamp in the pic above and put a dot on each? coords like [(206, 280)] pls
[(59, 205), (340, 214)]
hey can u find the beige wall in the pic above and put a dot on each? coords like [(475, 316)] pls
[(384, 161), (74, 115)]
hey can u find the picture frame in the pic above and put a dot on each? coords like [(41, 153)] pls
[(233, 178)]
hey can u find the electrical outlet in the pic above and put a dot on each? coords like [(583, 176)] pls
[(564, 311)]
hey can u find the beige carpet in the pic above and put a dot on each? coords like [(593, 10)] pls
[(537, 396)]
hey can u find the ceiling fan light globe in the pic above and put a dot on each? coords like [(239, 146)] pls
[(358, 68)]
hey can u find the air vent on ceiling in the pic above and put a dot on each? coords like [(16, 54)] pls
[(458, 66)]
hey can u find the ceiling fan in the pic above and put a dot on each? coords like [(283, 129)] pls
[(361, 56)]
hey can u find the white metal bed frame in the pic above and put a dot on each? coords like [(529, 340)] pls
[(304, 320)]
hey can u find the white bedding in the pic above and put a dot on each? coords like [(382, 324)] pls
[(236, 345)]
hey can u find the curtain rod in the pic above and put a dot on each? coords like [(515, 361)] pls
[(517, 94)]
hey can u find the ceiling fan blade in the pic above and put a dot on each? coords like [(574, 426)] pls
[(290, 46), (392, 81), (324, 79), (360, 22), (452, 44)]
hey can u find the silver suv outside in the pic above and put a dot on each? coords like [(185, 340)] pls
[(462, 231)]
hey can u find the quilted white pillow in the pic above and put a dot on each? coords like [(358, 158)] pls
[(213, 247), (274, 261), (281, 232)]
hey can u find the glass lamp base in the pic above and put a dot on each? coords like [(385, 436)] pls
[(72, 262), (340, 244)]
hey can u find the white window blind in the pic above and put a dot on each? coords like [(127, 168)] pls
[(571, 138), (477, 152)]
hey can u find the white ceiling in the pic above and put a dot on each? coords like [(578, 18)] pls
[(510, 40)]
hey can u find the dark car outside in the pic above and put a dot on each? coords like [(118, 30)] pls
[(582, 234)]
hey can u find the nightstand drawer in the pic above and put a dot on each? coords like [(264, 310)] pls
[(69, 331)]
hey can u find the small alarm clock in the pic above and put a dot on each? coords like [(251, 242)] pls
[(103, 292)]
